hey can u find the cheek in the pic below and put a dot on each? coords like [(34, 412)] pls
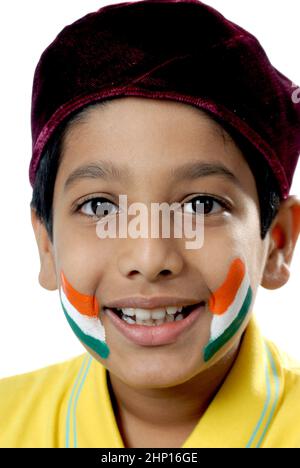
[(84, 254), (80, 255), (82, 314), (229, 305)]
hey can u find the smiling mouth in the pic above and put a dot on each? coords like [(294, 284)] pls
[(154, 317)]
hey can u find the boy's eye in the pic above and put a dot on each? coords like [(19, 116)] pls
[(204, 204), (101, 206), (98, 206)]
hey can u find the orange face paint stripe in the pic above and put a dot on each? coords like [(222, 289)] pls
[(86, 305), (223, 297)]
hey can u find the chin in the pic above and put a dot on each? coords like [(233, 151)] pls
[(159, 373)]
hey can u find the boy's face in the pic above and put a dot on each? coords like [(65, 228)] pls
[(148, 140)]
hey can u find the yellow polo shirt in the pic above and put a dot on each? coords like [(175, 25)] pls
[(68, 404)]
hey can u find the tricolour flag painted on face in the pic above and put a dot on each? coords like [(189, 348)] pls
[(229, 305), (81, 311)]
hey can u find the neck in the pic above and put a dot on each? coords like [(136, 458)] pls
[(173, 409)]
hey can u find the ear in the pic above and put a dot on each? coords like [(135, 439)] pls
[(283, 234), (47, 275)]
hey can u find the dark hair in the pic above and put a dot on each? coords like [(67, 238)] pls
[(43, 189), (42, 196), (267, 186)]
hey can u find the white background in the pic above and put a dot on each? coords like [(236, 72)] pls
[(33, 330)]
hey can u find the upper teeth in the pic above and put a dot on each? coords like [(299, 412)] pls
[(155, 314)]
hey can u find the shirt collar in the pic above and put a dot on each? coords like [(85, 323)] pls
[(242, 410), (239, 415)]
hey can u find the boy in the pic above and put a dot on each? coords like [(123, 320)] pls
[(174, 357)]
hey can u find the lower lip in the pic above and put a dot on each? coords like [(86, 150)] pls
[(156, 335)]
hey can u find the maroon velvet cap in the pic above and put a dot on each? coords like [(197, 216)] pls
[(183, 50)]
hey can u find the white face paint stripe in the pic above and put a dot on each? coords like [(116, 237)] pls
[(91, 326), (221, 322)]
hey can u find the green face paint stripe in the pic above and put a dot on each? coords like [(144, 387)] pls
[(70, 402), (75, 403), (98, 346), (213, 346)]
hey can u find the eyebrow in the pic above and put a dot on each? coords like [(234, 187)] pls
[(106, 170), (194, 170)]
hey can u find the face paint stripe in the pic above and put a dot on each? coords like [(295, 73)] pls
[(96, 345), (221, 322), (213, 346), (221, 299), (85, 304), (89, 325)]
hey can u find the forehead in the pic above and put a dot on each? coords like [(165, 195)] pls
[(139, 119), (138, 114), (149, 137)]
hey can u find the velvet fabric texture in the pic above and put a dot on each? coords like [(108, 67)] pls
[(182, 50)]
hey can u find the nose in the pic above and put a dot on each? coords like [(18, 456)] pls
[(151, 258)]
